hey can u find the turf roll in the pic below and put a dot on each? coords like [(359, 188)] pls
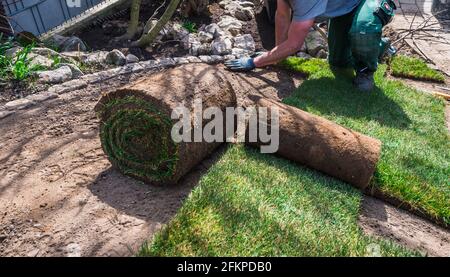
[(136, 124), (323, 145)]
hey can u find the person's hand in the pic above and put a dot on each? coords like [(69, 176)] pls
[(242, 64)]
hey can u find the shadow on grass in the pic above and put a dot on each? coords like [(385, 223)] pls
[(266, 206), (327, 95)]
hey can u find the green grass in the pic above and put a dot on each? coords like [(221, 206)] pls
[(249, 204), (133, 130), (402, 66), (415, 161), (306, 67)]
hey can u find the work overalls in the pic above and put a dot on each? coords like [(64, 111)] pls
[(355, 39)]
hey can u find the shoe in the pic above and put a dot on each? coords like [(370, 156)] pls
[(387, 51), (364, 81)]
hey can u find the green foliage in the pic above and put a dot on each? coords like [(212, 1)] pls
[(191, 27), (56, 60), (17, 67), (408, 67), (20, 68)]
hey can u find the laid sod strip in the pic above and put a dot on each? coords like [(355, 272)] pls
[(407, 67), (303, 66), (321, 144), (415, 160), (252, 204), (136, 124)]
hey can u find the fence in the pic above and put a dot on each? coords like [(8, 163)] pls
[(39, 16)]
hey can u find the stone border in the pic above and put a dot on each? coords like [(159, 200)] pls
[(53, 92)]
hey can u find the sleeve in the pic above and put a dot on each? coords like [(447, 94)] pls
[(308, 9)]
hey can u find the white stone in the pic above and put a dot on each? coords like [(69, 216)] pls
[(304, 55), (206, 59), (181, 60), (177, 31), (245, 42), (38, 60), (42, 96), (230, 24), (65, 44), (94, 58), (214, 30), (12, 52), (60, 75), (247, 4), (314, 43), (205, 37), (150, 64), (72, 85), (19, 104), (132, 58), (76, 72), (166, 62), (238, 52), (217, 58), (322, 54), (193, 59), (116, 57), (244, 14), (222, 46), (200, 49), (4, 114)]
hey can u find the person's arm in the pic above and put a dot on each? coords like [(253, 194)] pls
[(298, 30), (282, 21)]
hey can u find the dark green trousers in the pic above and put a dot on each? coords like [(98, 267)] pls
[(354, 39)]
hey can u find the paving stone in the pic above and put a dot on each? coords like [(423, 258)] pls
[(193, 59), (4, 114), (206, 59), (42, 96), (181, 60), (19, 104), (149, 64), (167, 62), (69, 86)]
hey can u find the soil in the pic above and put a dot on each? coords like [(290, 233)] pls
[(11, 90), (402, 47), (59, 195), (383, 220), (99, 38)]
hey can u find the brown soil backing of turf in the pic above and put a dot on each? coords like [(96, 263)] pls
[(323, 145)]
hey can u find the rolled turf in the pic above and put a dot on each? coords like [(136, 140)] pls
[(136, 124), (323, 145)]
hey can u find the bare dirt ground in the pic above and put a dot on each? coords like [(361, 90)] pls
[(383, 220), (59, 195)]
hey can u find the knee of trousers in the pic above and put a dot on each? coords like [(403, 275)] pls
[(365, 44)]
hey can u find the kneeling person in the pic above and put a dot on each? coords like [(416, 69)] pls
[(354, 38)]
